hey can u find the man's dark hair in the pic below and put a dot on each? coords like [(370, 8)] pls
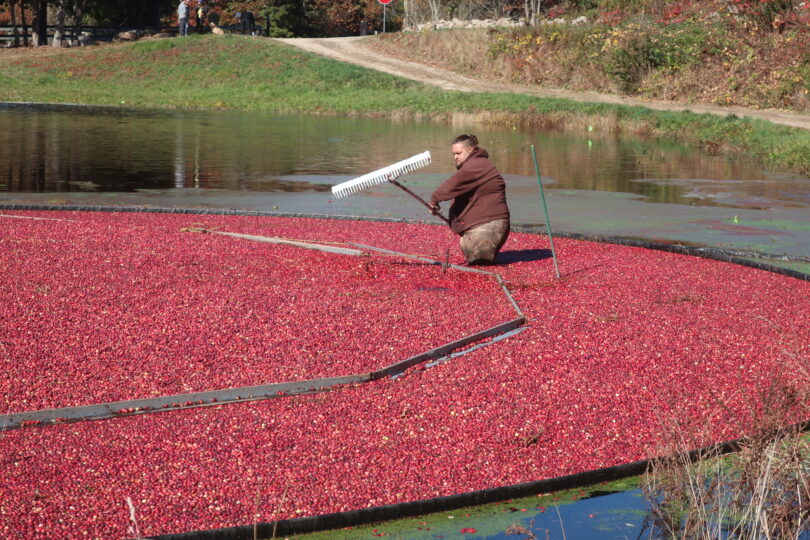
[(467, 140)]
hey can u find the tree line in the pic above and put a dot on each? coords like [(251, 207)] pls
[(34, 17), (280, 18)]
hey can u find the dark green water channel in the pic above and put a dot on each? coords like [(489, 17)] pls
[(617, 510), (597, 184)]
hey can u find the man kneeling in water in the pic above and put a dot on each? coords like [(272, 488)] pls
[(479, 212)]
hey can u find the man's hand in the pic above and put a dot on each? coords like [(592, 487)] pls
[(434, 207)]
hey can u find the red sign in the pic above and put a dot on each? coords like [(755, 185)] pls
[(384, 2)]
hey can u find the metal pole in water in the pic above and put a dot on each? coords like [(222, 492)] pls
[(545, 209)]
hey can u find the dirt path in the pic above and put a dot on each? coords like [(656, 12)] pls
[(359, 51)]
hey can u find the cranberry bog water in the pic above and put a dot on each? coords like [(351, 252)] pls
[(103, 307)]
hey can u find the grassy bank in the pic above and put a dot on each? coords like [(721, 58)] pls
[(713, 61), (234, 72)]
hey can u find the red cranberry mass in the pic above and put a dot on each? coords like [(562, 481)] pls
[(99, 307)]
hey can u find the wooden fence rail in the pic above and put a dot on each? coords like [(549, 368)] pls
[(96, 33)]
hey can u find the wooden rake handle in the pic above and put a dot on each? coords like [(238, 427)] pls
[(418, 198)]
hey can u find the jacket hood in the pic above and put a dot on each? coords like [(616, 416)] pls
[(478, 152)]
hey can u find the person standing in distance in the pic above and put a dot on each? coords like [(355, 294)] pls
[(479, 213), (182, 18), (200, 12)]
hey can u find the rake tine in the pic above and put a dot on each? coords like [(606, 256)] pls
[(382, 175)]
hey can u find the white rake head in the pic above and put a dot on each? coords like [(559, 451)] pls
[(381, 176)]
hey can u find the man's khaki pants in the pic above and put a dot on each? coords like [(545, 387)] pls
[(480, 245)]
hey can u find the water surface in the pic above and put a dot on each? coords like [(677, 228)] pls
[(596, 184)]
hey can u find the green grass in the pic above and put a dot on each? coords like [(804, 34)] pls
[(236, 72)]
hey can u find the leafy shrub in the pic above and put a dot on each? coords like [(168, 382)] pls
[(284, 18), (585, 5), (765, 15), (644, 7), (794, 87), (629, 57), (634, 51)]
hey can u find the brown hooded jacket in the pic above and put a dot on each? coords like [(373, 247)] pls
[(478, 190)]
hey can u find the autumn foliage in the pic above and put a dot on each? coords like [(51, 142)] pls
[(288, 18)]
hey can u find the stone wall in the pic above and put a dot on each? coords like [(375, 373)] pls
[(489, 23)]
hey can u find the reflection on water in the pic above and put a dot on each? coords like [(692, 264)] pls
[(64, 151)]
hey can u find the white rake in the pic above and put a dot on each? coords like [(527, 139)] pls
[(388, 174)]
